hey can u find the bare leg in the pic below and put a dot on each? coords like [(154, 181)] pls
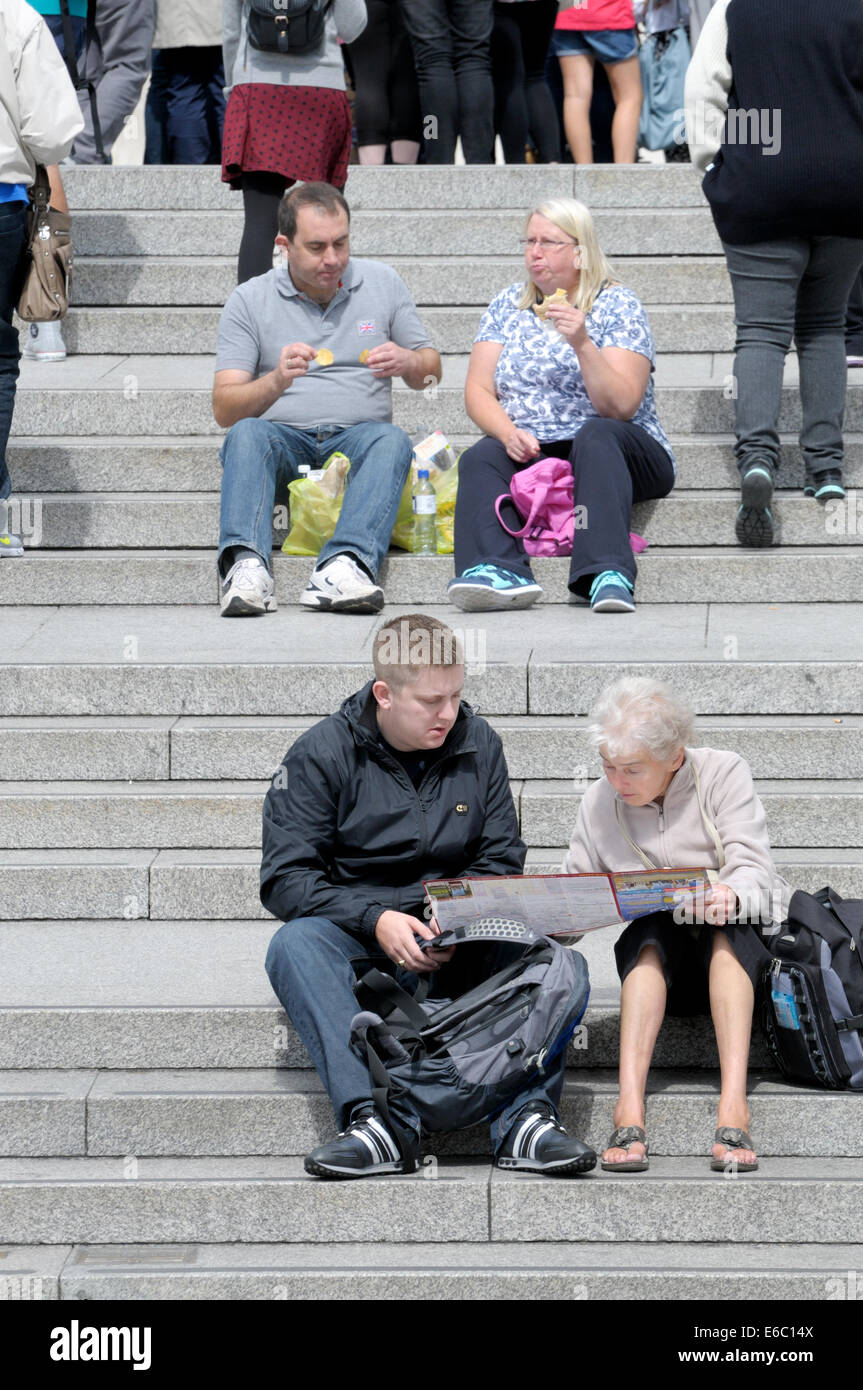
[(577, 74), (405, 151), (642, 1009), (731, 1002), (625, 82), (372, 154)]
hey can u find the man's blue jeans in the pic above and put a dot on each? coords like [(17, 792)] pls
[(261, 457), (13, 239), (312, 965)]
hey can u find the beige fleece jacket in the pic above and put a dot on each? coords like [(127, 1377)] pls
[(675, 836)]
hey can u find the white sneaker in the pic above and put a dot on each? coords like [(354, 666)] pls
[(248, 589), (45, 343), (341, 586), (10, 545)]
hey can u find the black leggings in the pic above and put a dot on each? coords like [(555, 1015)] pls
[(522, 101), (614, 463), (262, 193), (387, 104)]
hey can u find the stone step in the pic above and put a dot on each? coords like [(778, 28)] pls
[(383, 234), (115, 660), (213, 814), (191, 464), (726, 575), (137, 395), (286, 1112), (186, 329), (125, 520), (212, 1200), (242, 748), (194, 994), (222, 885), (689, 281), (479, 1272), (460, 188)]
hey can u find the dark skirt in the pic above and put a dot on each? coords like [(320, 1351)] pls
[(685, 954), (302, 133)]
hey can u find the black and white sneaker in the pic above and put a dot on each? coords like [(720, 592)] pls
[(363, 1150), (538, 1143)]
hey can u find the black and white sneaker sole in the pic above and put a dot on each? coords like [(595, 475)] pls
[(478, 598), (583, 1164), (320, 603), (237, 607), (321, 1170), (754, 526)]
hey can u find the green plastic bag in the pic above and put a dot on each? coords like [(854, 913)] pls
[(314, 513), (446, 486)]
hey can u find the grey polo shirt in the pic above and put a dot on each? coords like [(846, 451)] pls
[(371, 306)]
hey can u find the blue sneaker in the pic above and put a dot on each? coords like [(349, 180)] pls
[(483, 588), (611, 592), (754, 524)]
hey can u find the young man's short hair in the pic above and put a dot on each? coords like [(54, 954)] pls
[(406, 646), (309, 195)]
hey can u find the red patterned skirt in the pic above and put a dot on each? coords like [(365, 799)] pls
[(303, 133)]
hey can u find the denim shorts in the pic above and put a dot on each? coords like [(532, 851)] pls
[(608, 45)]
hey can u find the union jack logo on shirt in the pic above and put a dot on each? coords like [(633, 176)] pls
[(366, 326)]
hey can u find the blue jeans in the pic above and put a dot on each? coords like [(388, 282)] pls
[(782, 290), (261, 457), (13, 237), (312, 965)]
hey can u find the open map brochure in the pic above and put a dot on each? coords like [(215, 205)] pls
[(561, 904)]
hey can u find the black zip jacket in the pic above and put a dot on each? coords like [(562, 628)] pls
[(347, 836)]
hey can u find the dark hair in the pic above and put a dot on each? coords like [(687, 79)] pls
[(309, 195)]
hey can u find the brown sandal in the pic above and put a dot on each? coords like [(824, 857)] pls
[(732, 1139), (621, 1139)]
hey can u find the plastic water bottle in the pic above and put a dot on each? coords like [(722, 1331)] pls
[(425, 515)]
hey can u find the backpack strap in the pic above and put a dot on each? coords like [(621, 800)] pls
[(71, 62), (379, 993), (812, 910), (708, 825)]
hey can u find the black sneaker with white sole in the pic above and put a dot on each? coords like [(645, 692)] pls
[(364, 1150), (755, 525), (538, 1143)]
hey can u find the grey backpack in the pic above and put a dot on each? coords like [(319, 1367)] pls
[(458, 1061)]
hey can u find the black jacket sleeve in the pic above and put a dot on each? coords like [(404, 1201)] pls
[(502, 850), (299, 837)]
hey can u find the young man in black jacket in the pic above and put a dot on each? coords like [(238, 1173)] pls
[(404, 784)]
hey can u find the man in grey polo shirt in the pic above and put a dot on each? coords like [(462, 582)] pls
[(304, 365)]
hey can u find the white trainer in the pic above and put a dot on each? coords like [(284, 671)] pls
[(248, 589), (9, 544), (45, 343), (341, 586)]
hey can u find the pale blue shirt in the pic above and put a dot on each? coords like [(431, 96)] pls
[(538, 379)]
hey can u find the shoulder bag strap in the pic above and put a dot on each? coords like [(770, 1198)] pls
[(708, 823)]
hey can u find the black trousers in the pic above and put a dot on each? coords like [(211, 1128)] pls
[(523, 103), (854, 321), (614, 463), (386, 104)]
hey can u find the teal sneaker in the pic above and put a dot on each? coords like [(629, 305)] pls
[(754, 525), (484, 588), (611, 592)]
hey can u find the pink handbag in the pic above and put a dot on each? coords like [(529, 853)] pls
[(543, 495)]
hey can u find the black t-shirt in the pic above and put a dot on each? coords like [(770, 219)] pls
[(416, 762)]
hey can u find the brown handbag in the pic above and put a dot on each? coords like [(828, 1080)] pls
[(45, 292)]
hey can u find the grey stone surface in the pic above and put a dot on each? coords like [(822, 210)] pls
[(154, 465), (466, 1271), (182, 886), (116, 815), (274, 1112), (52, 884), (798, 813), (31, 1273), (126, 520), (622, 232), (65, 750), (132, 1200), (43, 1113), (679, 1199)]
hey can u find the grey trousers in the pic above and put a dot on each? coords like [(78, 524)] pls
[(783, 290), (118, 65)]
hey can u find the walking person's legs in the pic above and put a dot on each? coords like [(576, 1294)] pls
[(13, 238), (125, 29), (625, 81)]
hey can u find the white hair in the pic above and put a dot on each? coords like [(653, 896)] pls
[(637, 712)]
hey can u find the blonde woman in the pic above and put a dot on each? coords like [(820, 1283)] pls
[(663, 803), (568, 377)]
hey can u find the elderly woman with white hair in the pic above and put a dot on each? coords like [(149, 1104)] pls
[(560, 368), (665, 804)]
